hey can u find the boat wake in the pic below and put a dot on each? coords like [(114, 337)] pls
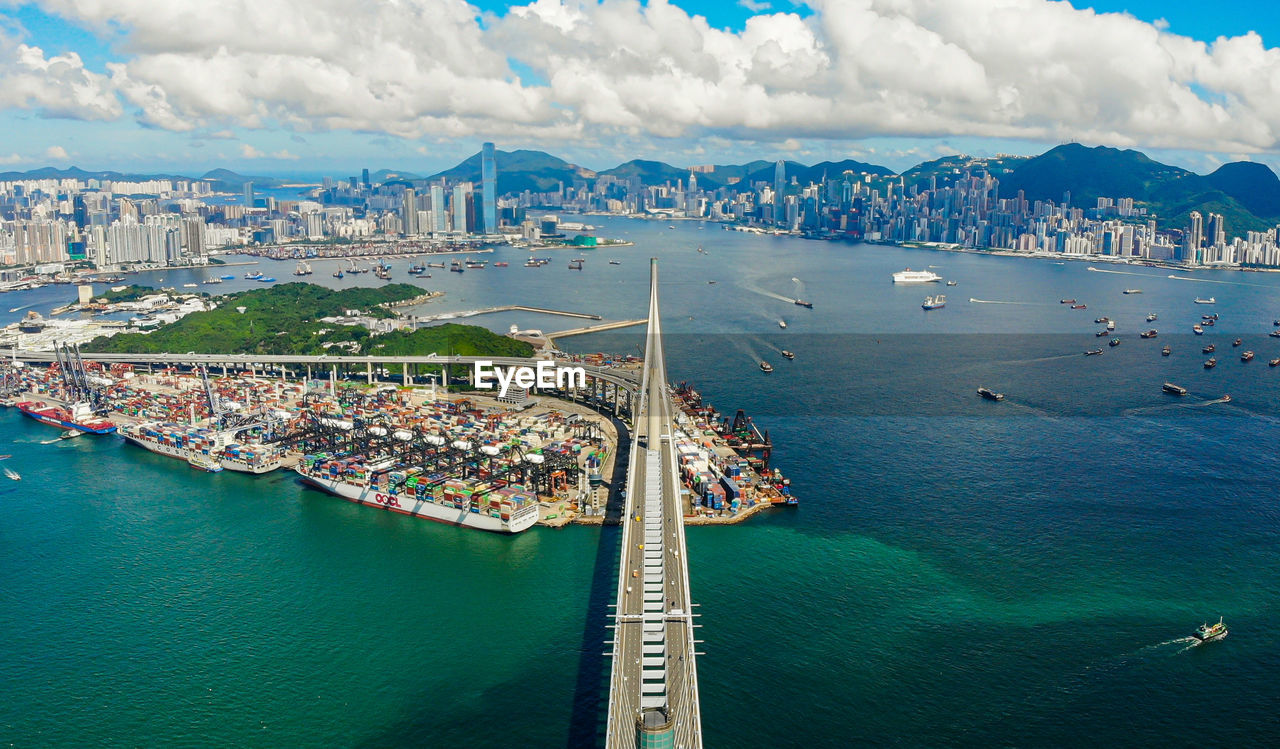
[(771, 295), (994, 301), (53, 441), (19, 309), (1213, 280), (1119, 272)]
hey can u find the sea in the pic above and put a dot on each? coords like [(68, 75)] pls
[(959, 572)]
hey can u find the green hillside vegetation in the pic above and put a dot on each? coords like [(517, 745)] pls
[(519, 171), (658, 172), (281, 319), (133, 293), (450, 338)]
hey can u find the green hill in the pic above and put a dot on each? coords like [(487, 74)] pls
[(1253, 185), (518, 171), (658, 172)]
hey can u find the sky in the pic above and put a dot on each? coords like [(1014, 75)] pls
[(310, 87)]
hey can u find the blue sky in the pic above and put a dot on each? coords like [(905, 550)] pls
[(151, 121)]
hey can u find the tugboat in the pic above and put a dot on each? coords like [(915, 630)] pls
[(1147, 334), (934, 302), (1173, 389), (1166, 351), (1246, 356), (1211, 363), (990, 394), (1208, 349), (1093, 352), (1209, 632), (766, 367), (803, 303), (1113, 342), (787, 354), (204, 463)]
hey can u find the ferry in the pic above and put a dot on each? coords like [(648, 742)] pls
[(1210, 300), (1166, 351), (507, 510), (1246, 356), (253, 275), (1209, 632), (1093, 352), (990, 394), (803, 303), (1133, 291), (766, 367), (787, 354), (204, 463), (1210, 363), (1172, 389), (1147, 334), (1113, 342), (1151, 317), (916, 276), (77, 416), (934, 302), (1208, 349), (1197, 330)]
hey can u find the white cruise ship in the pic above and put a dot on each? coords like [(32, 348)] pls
[(916, 276)]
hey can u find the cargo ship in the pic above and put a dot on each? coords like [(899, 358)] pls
[(454, 502), (186, 443), (1173, 389), (934, 302), (77, 416), (990, 394)]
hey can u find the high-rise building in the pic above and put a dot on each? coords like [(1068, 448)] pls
[(438, 213), (459, 208), (489, 185), (409, 212), (1196, 235), (779, 190), (248, 194)]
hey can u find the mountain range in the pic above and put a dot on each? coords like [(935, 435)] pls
[(1247, 194)]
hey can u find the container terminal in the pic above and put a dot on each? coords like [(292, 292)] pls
[(447, 455)]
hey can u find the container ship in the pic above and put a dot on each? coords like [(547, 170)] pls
[(186, 443), (454, 501), (78, 416)]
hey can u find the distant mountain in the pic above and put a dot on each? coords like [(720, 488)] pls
[(658, 172), (225, 180), (1253, 185), (806, 174), (948, 169), (49, 172), (390, 175), (518, 171)]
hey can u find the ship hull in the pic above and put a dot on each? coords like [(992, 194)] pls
[(184, 454), (53, 421), (422, 508)]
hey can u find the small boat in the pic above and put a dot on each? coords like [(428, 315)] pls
[(990, 394), (782, 323), (211, 281), (1207, 323), (712, 283), (1147, 334), (1113, 342), (10, 474), (615, 262), (1214, 316), (1210, 632), (1103, 320), (1276, 323), (253, 276), (1066, 301), (787, 354), (1166, 351), (303, 269), (951, 283), (1210, 300), (1133, 291), (417, 270), (70, 434), (1208, 349), (501, 264), (766, 366), (5, 457), (1079, 306), (1274, 334), (190, 285), (1100, 334), (1197, 330), (1237, 342), (1275, 362), (268, 279), (1151, 317), (934, 302), (337, 274), (1111, 325), (1210, 363), (441, 265), (1173, 389), (1225, 399), (1093, 352), (803, 303), (1246, 356), (204, 463), (224, 278)]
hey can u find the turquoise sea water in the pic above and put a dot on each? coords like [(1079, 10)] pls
[(960, 573)]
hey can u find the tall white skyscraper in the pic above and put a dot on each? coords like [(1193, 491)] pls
[(438, 211)]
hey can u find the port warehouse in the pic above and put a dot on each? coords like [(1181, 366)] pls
[(320, 423)]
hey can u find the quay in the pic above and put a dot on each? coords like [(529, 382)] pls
[(508, 308)]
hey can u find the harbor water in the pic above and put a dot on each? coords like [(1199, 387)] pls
[(959, 572)]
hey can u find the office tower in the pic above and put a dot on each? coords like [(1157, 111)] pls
[(440, 217), (409, 213), (459, 211), (248, 194), (364, 177), (489, 184), (779, 190)]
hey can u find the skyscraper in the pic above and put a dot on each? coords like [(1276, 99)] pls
[(409, 212), (364, 176), (779, 190), (248, 194), (438, 213), (1197, 230), (459, 208), (489, 184)]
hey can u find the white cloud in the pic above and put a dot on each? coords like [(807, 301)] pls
[(57, 153), (249, 152), (12, 158), (623, 72), (755, 6), (284, 154)]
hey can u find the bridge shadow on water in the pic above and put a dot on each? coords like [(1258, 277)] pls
[(590, 695)]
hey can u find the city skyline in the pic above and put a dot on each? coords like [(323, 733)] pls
[(113, 88)]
